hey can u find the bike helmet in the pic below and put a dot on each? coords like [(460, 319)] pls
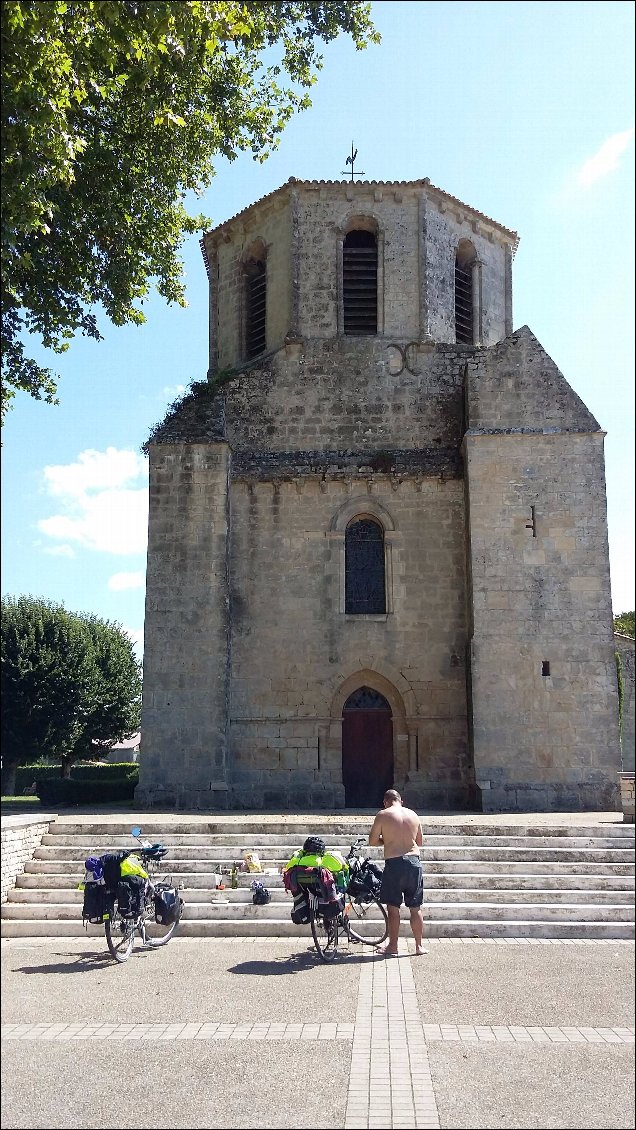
[(313, 845)]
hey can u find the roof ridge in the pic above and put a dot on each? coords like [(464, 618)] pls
[(423, 182)]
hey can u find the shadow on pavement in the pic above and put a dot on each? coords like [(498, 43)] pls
[(295, 963), (83, 963)]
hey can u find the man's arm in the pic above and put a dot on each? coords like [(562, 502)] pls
[(418, 837), (375, 835)]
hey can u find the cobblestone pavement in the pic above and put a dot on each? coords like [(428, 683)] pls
[(258, 1033)]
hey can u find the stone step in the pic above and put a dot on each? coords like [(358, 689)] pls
[(273, 858), (285, 928), (539, 882), (554, 912), (279, 895), (432, 866), (297, 829), (85, 842)]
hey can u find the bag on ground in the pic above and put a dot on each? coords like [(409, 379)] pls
[(260, 895)]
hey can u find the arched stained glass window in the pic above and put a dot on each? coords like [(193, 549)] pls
[(365, 589)]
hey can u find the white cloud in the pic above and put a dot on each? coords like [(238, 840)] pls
[(606, 159), (60, 550), (103, 501), (120, 581)]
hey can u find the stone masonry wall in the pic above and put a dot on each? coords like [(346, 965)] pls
[(21, 835), (348, 394), (303, 225), (182, 756), (271, 225), (541, 740), (625, 648), (294, 648)]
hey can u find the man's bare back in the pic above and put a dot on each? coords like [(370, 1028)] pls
[(398, 830)]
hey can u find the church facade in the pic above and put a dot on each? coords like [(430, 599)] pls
[(377, 533)]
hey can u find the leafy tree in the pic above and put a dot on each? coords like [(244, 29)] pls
[(624, 623), (66, 680), (112, 112), (113, 710)]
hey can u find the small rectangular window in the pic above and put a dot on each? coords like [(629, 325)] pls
[(545, 667)]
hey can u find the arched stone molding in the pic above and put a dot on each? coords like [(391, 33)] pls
[(363, 506), (400, 696)]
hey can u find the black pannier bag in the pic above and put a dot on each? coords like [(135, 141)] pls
[(168, 905), (300, 913), (97, 903), (111, 863), (366, 881), (129, 896)]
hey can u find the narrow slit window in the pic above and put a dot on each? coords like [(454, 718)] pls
[(545, 667), (365, 588), (360, 283), (464, 298), (256, 307)]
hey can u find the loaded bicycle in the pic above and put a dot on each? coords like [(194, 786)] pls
[(357, 914), (123, 896)]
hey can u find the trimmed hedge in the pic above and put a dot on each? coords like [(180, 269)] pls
[(54, 792), (81, 771)]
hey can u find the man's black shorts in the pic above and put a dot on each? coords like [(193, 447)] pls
[(402, 877)]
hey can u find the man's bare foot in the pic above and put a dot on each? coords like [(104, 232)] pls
[(384, 951), (420, 950)]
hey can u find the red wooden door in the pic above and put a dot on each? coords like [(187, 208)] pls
[(367, 751)]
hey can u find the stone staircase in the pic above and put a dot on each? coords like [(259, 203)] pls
[(481, 879)]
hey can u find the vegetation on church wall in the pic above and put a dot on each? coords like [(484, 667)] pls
[(69, 680), (624, 623), (112, 112)]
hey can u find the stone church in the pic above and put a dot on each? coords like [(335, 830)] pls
[(377, 536)]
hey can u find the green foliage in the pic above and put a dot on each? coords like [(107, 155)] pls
[(624, 624), (57, 791), (67, 680), (113, 771), (112, 111)]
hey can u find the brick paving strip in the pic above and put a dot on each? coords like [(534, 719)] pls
[(390, 1084)]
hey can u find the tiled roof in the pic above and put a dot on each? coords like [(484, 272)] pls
[(424, 183)]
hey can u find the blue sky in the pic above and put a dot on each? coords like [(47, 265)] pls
[(522, 110)]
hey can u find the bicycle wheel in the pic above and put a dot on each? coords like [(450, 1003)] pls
[(120, 935), (157, 935), (325, 934), (363, 923)]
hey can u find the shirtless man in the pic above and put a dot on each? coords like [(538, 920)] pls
[(399, 831)]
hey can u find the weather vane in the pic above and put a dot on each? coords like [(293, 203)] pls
[(350, 161)]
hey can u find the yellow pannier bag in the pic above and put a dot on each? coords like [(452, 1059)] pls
[(132, 866)]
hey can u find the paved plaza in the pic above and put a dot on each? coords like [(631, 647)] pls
[(247, 1032)]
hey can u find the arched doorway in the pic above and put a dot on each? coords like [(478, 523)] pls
[(367, 748)]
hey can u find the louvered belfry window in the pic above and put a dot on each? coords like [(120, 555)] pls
[(256, 307), (464, 298), (364, 568), (360, 283)]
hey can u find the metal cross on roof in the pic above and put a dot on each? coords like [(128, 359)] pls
[(350, 161)]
